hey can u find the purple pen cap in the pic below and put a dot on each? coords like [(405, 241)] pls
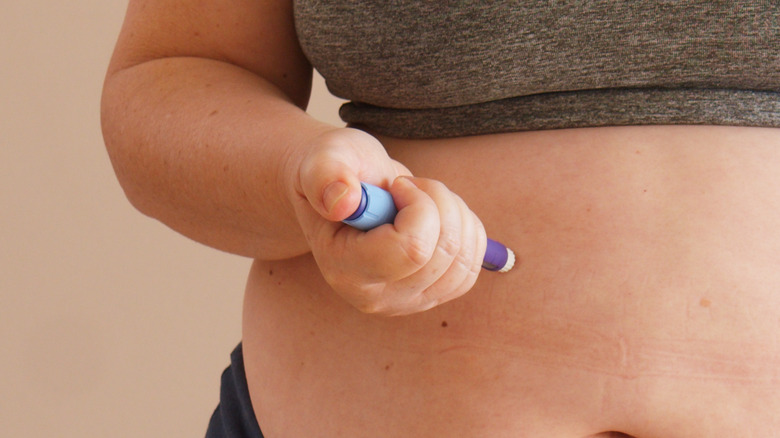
[(498, 257)]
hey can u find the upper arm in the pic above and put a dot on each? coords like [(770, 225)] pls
[(256, 35)]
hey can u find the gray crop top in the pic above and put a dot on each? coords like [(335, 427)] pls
[(434, 68)]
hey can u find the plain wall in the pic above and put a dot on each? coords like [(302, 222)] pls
[(111, 324)]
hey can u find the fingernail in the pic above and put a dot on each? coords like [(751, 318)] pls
[(333, 193)]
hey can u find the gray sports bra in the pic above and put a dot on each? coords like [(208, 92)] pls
[(431, 68)]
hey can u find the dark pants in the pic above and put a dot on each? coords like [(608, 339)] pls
[(234, 417)]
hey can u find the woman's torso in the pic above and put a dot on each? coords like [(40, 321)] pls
[(646, 299)]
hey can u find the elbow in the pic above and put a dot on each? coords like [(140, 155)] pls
[(124, 144), (132, 186), (124, 158)]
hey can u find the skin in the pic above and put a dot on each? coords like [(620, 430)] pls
[(644, 301), (203, 120)]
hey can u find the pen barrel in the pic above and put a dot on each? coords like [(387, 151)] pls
[(376, 208)]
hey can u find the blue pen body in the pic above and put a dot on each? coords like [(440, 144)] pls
[(376, 208)]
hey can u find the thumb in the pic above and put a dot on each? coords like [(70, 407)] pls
[(329, 175), (329, 183)]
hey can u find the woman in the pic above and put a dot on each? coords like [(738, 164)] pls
[(627, 152)]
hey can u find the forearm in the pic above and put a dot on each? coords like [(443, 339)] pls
[(203, 146)]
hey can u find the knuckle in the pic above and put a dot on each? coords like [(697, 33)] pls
[(449, 243), (465, 263), (417, 250), (472, 271), (471, 278), (474, 264)]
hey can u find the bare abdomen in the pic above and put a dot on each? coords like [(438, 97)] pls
[(646, 299)]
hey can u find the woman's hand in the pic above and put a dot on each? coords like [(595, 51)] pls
[(431, 254)]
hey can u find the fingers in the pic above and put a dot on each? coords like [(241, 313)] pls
[(430, 255), (456, 260), (468, 265)]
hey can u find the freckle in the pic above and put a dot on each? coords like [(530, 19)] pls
[(444, 324), (213, 113), (271, 272), (705, 302), (284, 75), (388, 366)]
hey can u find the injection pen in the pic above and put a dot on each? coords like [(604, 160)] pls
[(377, 208)]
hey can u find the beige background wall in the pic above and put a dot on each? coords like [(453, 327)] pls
[(110, 323)]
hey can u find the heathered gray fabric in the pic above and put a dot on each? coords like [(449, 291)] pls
[(423, 69)]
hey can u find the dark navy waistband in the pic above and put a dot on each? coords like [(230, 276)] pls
[(234, 416)]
